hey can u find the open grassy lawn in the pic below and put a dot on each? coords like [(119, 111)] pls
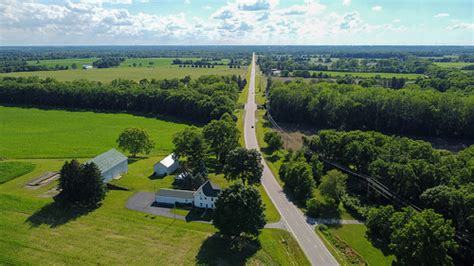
[(63, 62), (131, 73), (34, 232), (12, 170), (370, 74), (36, 133), (354, 236), (453, 64)]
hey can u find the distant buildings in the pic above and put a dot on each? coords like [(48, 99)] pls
[(276, 72), (112, 164), (204, 197), (87, 67), (166, 166)]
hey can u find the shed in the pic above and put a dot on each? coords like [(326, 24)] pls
[(172, 196), (166, 166), (111, 164)]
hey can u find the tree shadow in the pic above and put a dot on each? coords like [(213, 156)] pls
[(196, 214), (132, 160), (380, 244), (153, 176), (220, 250), (55, 214)]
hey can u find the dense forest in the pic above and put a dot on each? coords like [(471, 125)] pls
[(106, 62), (202, 99), (421, 175), (19, 65), (412, 110)]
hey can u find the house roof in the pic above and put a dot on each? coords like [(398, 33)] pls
[(108, 159), (210, 189), (176, 193), (168, 161)]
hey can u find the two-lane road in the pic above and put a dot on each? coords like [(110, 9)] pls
[(293, 218)]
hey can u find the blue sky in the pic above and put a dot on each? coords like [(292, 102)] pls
[(261, 22)]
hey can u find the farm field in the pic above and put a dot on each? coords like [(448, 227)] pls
[(36, 133), (453, 64), (370, 74), (63, 62), (33, 231), (131, 73), (354, 236), (12, 170)]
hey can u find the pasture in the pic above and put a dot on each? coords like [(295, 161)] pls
[(453, 64), (12, 170), (35, 232), (131, 73), (37, 133)]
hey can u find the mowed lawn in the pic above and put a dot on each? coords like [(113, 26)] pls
[(355, 236), (453, 64), (32, 232), (163, 71), (36, 133)]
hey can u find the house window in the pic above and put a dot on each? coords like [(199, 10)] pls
[(205, 198), (201, 204)]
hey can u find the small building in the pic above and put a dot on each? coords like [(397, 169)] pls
[(112, 164), (86, 66), (173, 196), (166, 166), (276, 72), (204, 197)]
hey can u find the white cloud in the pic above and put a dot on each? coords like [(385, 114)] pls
[(397, 20), (346, 2), (377, 8), (256, 5), (441, 15), (462, 26), (187, 2)]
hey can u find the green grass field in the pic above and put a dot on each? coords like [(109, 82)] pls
[(453, 64), (131, 73), (12, 170), (369, 75), (354, 236), (36, 133), (64, 62)]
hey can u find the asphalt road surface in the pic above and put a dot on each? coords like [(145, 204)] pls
[(294, 219)]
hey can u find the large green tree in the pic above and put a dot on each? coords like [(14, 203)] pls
[(191, 145), (273, 140), (423, 238), (298, 178), (239, 211), (333, 185), (378, 223), (222, 136), (245, 165), (135, 140), (80, 185)]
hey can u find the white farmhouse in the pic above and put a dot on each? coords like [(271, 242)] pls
[(112, 164), (204, 197), (166, 166)]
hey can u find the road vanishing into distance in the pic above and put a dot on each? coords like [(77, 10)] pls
[(292, 217)]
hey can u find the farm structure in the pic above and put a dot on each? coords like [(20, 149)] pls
[(111, 163), (204, 197), (166, 166)]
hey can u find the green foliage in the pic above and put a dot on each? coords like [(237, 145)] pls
[(379, 225), (12, 170), (274, 141), (190, 145), (333, 185), (245, 165), (239, 210), (222, 136), (135, 140), (298, 178), (423, 238), (80, 185), (321, 208)]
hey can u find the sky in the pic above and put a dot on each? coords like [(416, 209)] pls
[(236, 22)]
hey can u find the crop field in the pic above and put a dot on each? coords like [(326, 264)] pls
[(369, 74), (131, 73), (453, 64), (36, 133), (12, 170), (34, 232)]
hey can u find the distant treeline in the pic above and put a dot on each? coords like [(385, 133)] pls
[(203, 99), (8, 66), (106, 62), (411, 110)]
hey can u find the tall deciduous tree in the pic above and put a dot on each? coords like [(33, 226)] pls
[(333, 185), (245, 165), (274, 141), (298, 178), (222, 136), (135, 140), (239, 210), (190, 144), (81, 185)]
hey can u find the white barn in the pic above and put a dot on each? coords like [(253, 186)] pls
[(205, 197), (111, 163), (166, 166)]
